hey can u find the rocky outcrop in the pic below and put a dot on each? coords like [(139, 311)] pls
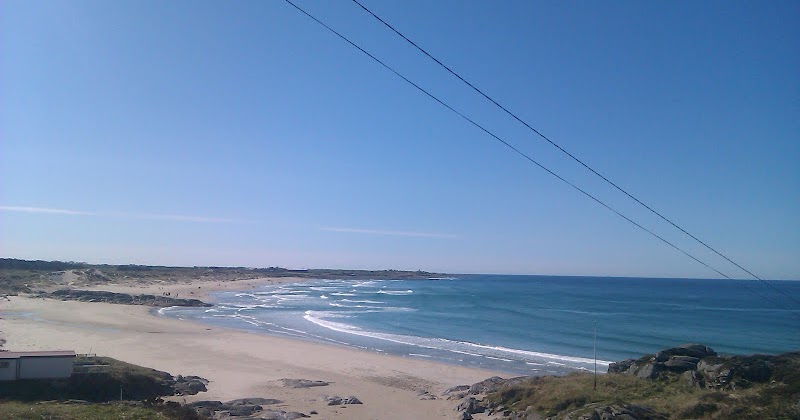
[(120, 298), (700, 366), (457, 392), (624, 412), (243, 407), (472, 406), (280, 415), (189, 385), (334, 400), (302, 383)]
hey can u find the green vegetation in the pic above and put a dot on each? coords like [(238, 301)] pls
[(671, 395), (62, 411), (95, 395), (22, 276), (135, 382)]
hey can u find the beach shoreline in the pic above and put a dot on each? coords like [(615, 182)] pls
[(237, 363)]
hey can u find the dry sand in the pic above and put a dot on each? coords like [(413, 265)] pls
[(238, 364)]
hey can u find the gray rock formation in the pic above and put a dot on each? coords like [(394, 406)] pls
[(254, 401), (624, 412), (280, 415), (699, 366), (189, 385), (120, 298), (648, 371), (471, 406), (302, 383), (243, 407), (334, 400)]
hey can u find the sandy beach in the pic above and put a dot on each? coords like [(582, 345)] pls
[(237, 363)]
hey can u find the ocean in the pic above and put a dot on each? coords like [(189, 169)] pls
[(527, 325)]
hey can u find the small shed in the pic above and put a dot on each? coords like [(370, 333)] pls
[(36, 364)]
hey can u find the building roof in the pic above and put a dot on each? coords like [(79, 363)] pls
[(18, 354)]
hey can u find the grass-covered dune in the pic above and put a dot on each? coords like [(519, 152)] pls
[(97, 394), (710, 387)]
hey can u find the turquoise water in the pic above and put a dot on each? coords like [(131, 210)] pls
[(518, 324)]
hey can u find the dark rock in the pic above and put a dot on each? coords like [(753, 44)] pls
[(621, 367), (675, 363), (427, 396), (243, 410), (121, 298), (465, 416), (302, 383), (471, 406), (487, 385), (709, 368), (207, 404), (281, 415), (459, 388), (334, 400), (693, 379), (694, 350), (254, 401), (624, 412), (753, 369), (189, 385)]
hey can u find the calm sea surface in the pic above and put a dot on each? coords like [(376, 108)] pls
[(518, 324)]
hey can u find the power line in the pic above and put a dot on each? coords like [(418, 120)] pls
[(556, 145), (521, 153)]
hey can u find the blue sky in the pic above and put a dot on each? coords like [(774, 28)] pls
[(243, 133)]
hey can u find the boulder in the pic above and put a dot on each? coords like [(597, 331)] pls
[(693, 379), (709, 367), (755, 369), (693, 350), (471, 406), (487, 385), (280, 415), (254, 401), (243, 410), (681, 363), (624, 412), (207, 404), (189, 385), (334, 400), (458, 388), (302, 383), (621, 367), (649, 371)]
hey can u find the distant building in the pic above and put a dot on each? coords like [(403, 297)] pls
[(35, 365)]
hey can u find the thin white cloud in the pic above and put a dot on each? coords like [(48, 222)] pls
[(21, 209), (390, 232), (129, 215)]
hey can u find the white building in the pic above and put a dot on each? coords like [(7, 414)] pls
[(35, 364)]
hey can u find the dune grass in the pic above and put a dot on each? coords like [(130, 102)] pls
[(60, 411), (674, 398)]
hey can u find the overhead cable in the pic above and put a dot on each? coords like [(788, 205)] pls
[(519, 152), (573, 157)]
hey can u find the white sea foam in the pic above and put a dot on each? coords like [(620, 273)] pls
[(365, 283), (339, 305), (162, 311), (395, 292), (362, 301), (499, 358), (462, 347)]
